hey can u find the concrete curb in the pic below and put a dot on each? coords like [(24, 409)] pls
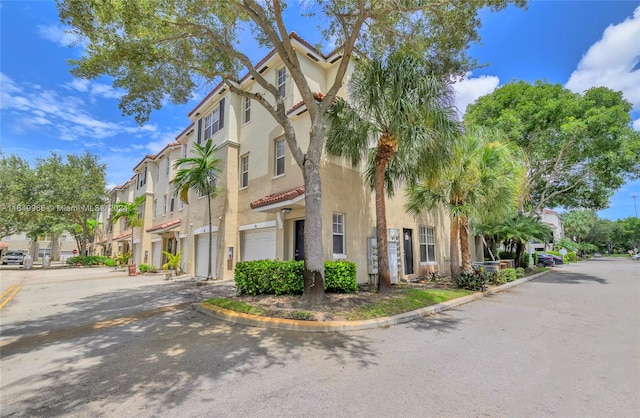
[(342, 326)]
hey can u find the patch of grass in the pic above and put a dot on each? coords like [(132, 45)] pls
[(236, 306), (408, 300), (302, 315)]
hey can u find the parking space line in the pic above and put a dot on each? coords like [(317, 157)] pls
[(16, 290)]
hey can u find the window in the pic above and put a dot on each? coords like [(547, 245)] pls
[(338, 233), (244, 171), (63, 238), (427, 245), (155, 208), (184, 151), (279, 157), (180, 204), (139, 211), (142, 178), (164, 205), (172, 203), (212, 123), (282, 79), (247, 110), (168, 165)]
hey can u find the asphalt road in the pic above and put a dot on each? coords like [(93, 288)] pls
[(566, 344)]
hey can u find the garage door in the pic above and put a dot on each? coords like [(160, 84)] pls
[(156, 254), (202, 259), (259, 244)]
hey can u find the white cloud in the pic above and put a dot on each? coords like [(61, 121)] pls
[(59, 35), (469, 89), (68, 116), (95, 89), (636, 124), (613, 61)]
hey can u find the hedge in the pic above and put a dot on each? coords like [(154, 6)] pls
[(286, 277), (87, 260)]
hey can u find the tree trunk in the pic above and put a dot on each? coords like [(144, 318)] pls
[(384, 275), (313, 293), (209, 275), (387, 146), (519, 256), (454, 250), (464, 245)]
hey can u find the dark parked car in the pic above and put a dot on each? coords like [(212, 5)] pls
[(557, 259), (545, 260)]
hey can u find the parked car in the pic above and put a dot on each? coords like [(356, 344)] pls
[(597, 255), (545, 260), (13, 257), (557, 259), (635, 256)]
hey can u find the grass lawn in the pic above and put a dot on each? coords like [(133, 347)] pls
[(350, 307)]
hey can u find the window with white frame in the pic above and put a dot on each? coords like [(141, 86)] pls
[(212, 123), (140, 209), (279, 157), (184, 151), (427, 244), (172, 203), (244, 171), (168, 165), (164, 205), (282, 80), (180, 203), (338, 233), (247, 110), (155, 208)]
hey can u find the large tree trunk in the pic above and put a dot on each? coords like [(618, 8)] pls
[(464, 245), (313, 293), (454, 250)]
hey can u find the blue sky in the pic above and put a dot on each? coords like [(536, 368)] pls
[(43, 108)]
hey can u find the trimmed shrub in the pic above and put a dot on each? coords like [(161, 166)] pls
[(110, 262), (87, 260), (571, 256), (340, 277), (507, 275), (507, 255), (287, 277), (147, 268), (520, 272)]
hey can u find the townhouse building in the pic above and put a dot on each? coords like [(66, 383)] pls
[(259, 213)]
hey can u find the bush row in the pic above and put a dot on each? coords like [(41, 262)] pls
[(87, 260), (287, 277)]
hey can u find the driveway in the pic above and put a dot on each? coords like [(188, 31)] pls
[(566, 344)]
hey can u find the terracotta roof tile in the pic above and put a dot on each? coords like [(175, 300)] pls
[(277, 197), (165, 225)]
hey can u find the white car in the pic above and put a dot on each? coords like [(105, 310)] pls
[(13, 257), (635, 256)]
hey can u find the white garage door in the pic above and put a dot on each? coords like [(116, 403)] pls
[(156, 254), (259, 244), (202, 249)]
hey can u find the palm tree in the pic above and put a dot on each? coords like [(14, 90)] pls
[(517, 231), (483, 180), (129, 211), (199, 173), (399, 117)]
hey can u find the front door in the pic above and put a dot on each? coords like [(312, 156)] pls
[(407, 238), (299, 241)]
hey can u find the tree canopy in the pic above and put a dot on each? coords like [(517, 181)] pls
[(581, 147), (157, 49)]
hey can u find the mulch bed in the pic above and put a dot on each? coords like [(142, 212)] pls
[(337, 305)]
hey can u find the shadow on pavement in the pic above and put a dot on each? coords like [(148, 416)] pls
[(568, 278), (162, 359), (441, 322)]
